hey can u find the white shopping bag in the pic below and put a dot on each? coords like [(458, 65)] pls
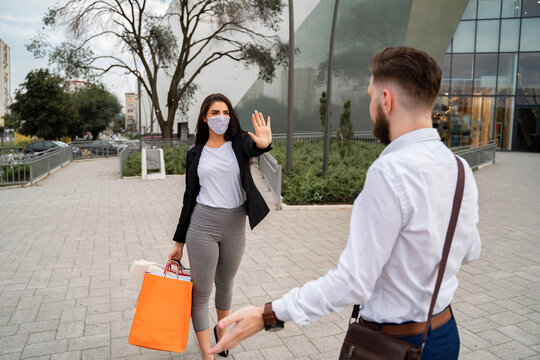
[(136, 277)]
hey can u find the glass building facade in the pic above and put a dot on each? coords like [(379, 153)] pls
[(491, 77), (363, 28)]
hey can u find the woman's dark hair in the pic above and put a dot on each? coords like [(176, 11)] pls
[(202, 127)]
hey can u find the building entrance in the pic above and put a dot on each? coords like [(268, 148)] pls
[(527, 129)]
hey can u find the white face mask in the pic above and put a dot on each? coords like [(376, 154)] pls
[(219, 124)]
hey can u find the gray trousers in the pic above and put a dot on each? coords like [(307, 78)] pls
[(215, 242)]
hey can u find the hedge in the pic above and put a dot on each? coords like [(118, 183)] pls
[(347, 168), (175, 162)]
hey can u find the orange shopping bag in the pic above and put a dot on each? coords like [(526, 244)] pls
[(161, 321)]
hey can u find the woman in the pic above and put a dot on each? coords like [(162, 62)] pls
[(220, 192)]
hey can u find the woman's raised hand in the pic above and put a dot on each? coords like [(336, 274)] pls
[(263, 133)]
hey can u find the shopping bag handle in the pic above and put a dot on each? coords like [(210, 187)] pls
[(179, 268)]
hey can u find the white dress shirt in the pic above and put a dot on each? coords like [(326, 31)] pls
[(397, 232)]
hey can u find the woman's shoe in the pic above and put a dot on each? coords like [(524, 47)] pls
[(224, 353)]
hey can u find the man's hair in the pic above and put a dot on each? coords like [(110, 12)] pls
[(413, 70)]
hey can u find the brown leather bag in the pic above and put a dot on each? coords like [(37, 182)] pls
[(364, 343)]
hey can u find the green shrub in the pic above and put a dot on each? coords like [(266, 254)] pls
[(132, 167), (347, 168), (15, 173), (175, 162)]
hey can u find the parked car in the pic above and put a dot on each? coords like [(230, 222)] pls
[(103, 148), (42, 145)]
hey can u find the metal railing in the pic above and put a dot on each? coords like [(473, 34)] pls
[(22, 170), (96, 149), (316, 136), (163, 143), (481, 155), (272, 173)]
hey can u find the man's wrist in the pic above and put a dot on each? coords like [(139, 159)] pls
[(271, 322)]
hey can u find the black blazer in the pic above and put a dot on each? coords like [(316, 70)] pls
[(244, 148)]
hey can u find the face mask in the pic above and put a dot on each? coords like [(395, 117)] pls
[(219, 124)]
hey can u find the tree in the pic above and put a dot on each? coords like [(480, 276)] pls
[(322, 110), (345, 132), (44, 105), (97, 108), (118, 123), (12, 120), (208, 31)]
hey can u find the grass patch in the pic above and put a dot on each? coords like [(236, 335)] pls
[(347, 168)]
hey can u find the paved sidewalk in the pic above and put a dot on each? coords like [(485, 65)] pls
[(66, 245)]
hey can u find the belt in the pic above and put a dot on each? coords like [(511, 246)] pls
[(414, 328)]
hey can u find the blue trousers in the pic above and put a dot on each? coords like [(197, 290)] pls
[(441, 343)]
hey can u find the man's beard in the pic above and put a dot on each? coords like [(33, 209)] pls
[(381, 128)]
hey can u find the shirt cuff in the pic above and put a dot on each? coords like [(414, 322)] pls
[(280, 309)]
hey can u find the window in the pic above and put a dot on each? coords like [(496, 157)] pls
[(507, 74), (529, 77), (485, 74), (456, 128), (483, 119), (464, 37), (511, 8), (445, 67), (470, 11), (530, 28), (487, 36), (530, 8), (509, 35), (503, 121), (462, 73), (489, 9)]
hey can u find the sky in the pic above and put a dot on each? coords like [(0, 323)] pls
[(20, 20)]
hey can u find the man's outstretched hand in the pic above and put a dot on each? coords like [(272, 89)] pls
[(247, 322)]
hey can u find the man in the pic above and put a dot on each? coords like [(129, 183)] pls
[(398, 222)]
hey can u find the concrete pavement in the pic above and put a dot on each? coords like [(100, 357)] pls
[(66, 245)]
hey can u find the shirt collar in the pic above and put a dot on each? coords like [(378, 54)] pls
[(412, 137)]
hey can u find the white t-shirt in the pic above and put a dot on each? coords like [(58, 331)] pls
[(219, 177)]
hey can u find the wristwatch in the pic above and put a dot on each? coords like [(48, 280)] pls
[(271, 322)]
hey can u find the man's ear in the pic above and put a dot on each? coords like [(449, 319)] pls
[(387, 100)]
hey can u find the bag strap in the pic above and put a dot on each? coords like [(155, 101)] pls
[(458, 196), (456, 206)]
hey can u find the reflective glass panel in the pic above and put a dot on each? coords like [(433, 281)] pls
[(485, 74), (455, 126), (503, 121), (445, 67), (511, 8), (483, 119), (464, 37), (506, 82), (470, 11), (529, 78), (530, 32), (487, 36), (489, 9), (462, 73), (530, 8), (509, 35), (440, 117)]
